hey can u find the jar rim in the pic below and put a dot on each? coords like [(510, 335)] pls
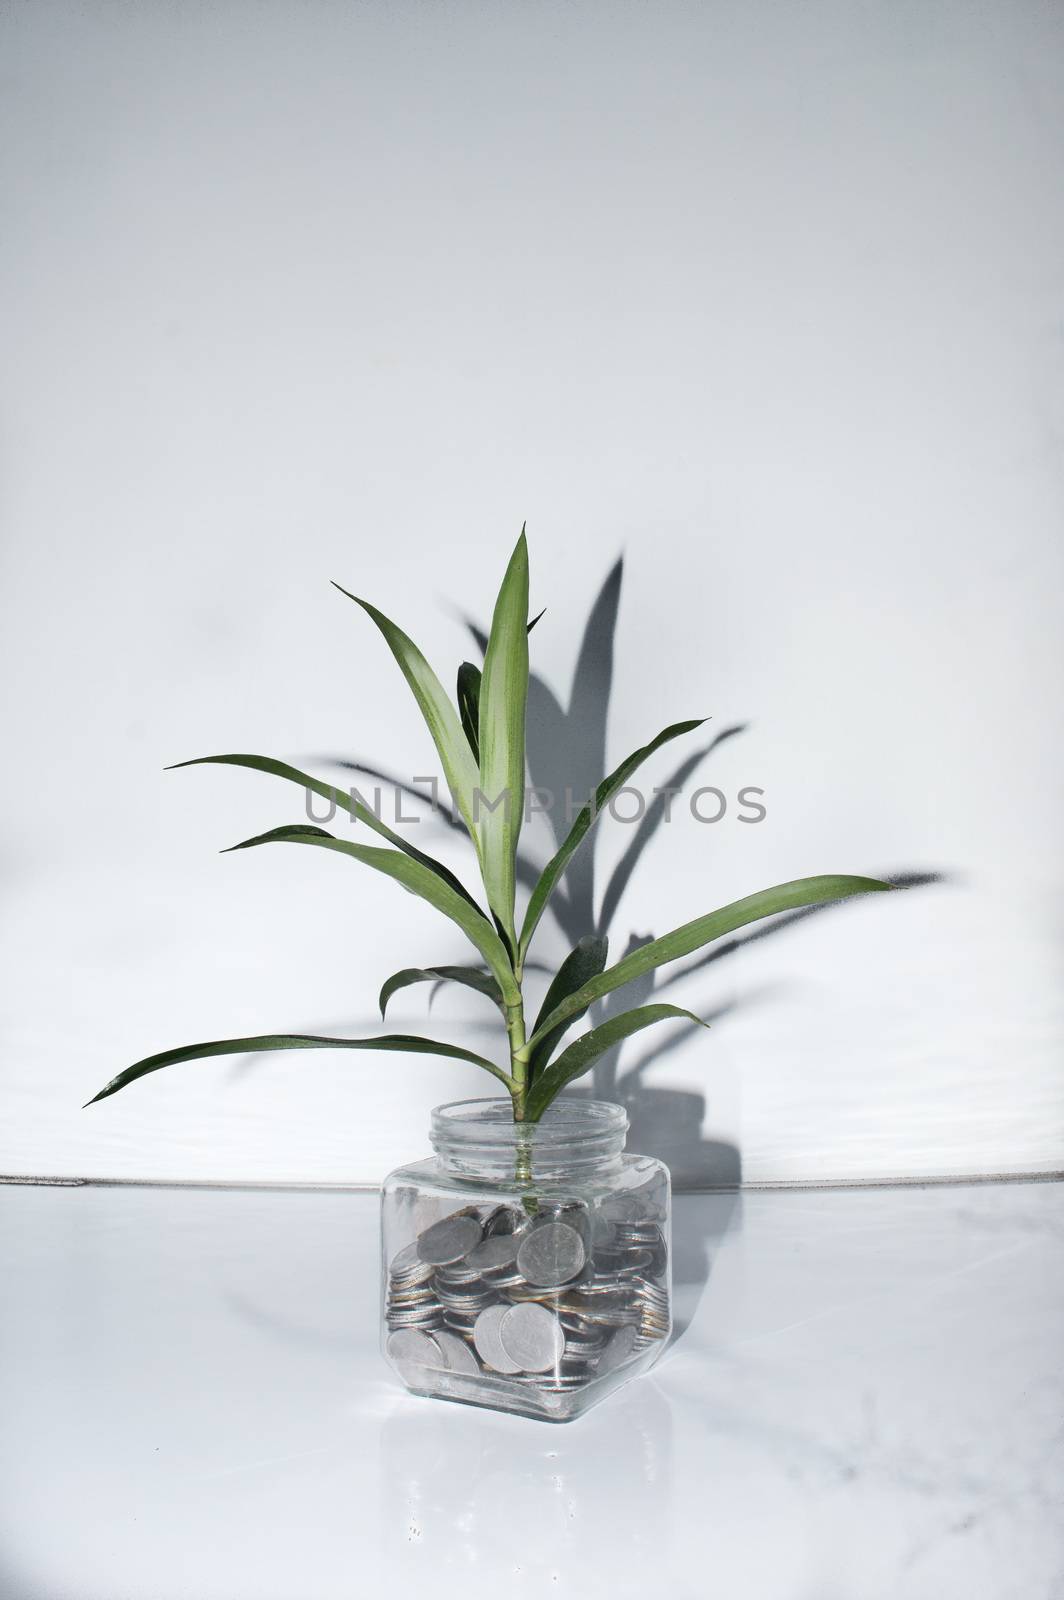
[(489, 1121)]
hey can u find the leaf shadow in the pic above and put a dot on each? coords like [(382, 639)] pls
[(566, 741), (567, 746)]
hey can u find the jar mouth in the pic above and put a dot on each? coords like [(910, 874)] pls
[(570, 1133), (491, 1121)]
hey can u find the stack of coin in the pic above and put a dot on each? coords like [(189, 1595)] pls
[(412, 1301), (653, 1303), (642, 1239), (603, 1305), (584, 1344), (463, 1294), (548, 1300)]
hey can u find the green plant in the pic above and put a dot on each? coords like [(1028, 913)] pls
[(481, 745)]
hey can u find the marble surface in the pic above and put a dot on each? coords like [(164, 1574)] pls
[(864, 1400)]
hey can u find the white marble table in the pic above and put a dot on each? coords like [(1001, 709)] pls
[(866, 1402)]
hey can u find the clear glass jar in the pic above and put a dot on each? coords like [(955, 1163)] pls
[(526, 1267)]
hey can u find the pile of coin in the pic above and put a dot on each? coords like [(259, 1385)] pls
[(548, 1300)]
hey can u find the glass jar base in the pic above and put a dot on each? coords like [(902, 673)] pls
[(523, 1397)]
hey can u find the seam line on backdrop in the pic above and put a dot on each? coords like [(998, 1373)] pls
[(939, 1181)]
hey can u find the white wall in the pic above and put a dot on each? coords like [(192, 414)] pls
[(768, 298)]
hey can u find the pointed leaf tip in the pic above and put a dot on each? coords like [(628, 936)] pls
[(691, 936), (471, 977), (501, 739), (585, 821), (343, 799), (440, 716), (416, 878), (400, 1042)]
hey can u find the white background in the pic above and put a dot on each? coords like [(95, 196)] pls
[(769, 299)]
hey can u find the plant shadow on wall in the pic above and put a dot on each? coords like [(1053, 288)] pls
[(566, 751)]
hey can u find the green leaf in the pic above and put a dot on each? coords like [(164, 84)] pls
[(469, 705), (442, 719), (585, 821), (438, 807), (702, 930), (471, 977), (418, 880), (341, 798), (405, 1042), (503, 693), (586, 960), (582, 1054)]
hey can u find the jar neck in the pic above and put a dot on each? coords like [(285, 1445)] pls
[(573, 1139)]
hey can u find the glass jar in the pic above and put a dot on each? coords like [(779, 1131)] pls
[(526, 1266)]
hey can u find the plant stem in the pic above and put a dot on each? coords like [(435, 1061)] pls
[(515, 1028)]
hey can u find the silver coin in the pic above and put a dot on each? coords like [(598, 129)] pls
[(603, 1283), (506, 1280), (584, 1344), (637, 1262), (405, 1260), (554, 1382), (620, 1347), (575, 1215), (459, 1323), (535, 1291), (504, 1220), (455, 1354), (556, 1208), (481, 1295), (411, 1284), (459, 1298), (650, 1237), (448, 1241), (532, 1337), (650, 1294), (654, 1319), (410, 1344), (578, 1327), (460, 1273), (612, 1317), (487, 1340), (552, 1254), (474, 1290), (622, 1208), (494, 1254), (467, 1307)]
